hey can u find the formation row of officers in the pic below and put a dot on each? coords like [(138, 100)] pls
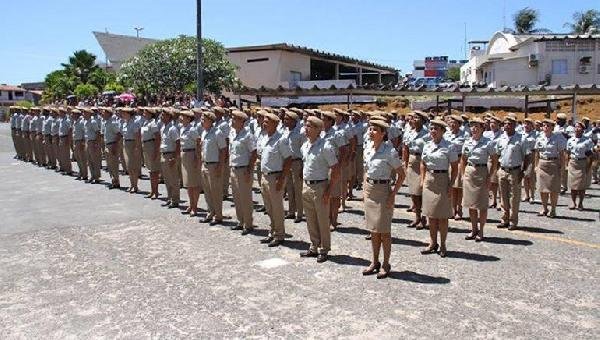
[(318, 158)]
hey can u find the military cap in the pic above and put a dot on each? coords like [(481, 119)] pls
[(210, 115), (583, 119), (528, 120), (420, 114), (187, 113), (378, 117), (239, 114), (439, 122), (380, 123), (465, 118), (549, 121), (510, 119), (496, 119), (328, 114), (315, 121), (561, 115), (76, 111), (456, 118), (126, 109), (261, 112), (338, 111), (476, 120), (580, 123), (272, 116), (218, 109), (291, 114)]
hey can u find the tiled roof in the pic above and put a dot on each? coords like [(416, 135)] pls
[(11, 88), (312, 52), (386, 90), (119, 48)]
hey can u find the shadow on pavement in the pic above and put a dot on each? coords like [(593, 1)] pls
[(401, 220), (507, 240), (352, 230), (296, 244), (458, 230), (571, 218), (471, 256), (355, 212), (349, 260), (539, 230), (405, 242), (418, 278)]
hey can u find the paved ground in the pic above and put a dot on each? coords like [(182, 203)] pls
[(79, 261)]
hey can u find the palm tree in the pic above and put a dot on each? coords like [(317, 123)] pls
[(587, 22), (81, 65), (525, 21)]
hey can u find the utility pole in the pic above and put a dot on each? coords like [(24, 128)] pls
[(137, 31), (199, 61)]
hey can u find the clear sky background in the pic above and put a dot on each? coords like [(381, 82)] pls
[(38, 35)]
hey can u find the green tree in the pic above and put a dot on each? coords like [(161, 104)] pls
[(83, 91), (114, 86), (453, 74), (587, 22), (525, 21), (81, 64), (100, 78), (59, 84), (169, 66)]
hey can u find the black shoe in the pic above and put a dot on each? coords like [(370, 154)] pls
[(167, 203), (308, 253), (368, 237), (298, 220), (373, 269), (512, 227), (266, 240), (173, 205), (114, 186), (471, 236), (321, 258), (261, 209), (207, 219), (385, 273), (430, 250), (78, 178), (236, 227), (290, 216), (275, 243), (215, 222), (246, 232), (502, 225)]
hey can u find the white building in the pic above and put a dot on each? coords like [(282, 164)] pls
[(514, 59)]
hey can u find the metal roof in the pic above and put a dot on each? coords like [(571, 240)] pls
[(312, 52), (386, 90), (118, 48)]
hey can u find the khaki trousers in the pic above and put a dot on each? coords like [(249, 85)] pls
[(94, 157), (81, 158), (359, 167), (55, 150), (241, 187), (15, 138), (50, 158), (317, 217), (121, 154), (65, 154), (294, 189), (112, 162), (27, 146), (170, 174), (225, 181), (212, 182), (510, 194), (37, 148), (274, 204)]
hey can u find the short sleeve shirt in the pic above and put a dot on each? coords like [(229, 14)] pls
[(550, 147), (478, 152), (580, 148), (439, 156), (317, 158), (336, 139), (92, 127), (111, 129), (78, 130), (456, 139), (241, 146), (149, 129), (380, 163), (213, 140), (129, 129), (511, 150), (296, 139), (188, 135), (169, 135), (64, 126), (47, 126), (276, 150), (417, 140)]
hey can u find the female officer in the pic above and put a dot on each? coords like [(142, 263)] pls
[(549, 153), (411, 155), (151, 149), (456, 136), (190, 160), (130, 130), (580, 156), (438, 156), (473, 168), (380, 160)]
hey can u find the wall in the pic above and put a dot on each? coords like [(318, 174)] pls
[(257, 74)]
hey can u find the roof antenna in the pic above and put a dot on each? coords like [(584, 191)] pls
[(504, 16)]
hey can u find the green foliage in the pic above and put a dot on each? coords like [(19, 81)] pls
[(587, 22), (169, 66), (453, 74), (81, 65), (525, 21), (114, 86), (24, 103), (83, 91)]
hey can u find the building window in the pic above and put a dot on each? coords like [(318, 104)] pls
[(257, 60), (559, 66), (295, 76)]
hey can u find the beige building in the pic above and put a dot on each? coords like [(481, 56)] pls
[(516, 59)]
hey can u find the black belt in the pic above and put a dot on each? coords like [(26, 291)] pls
[(130, 140), (309, 182), (211, 162), (438, 171), (415, 154), (296, 159), (149, 140), (477, 165), (110, 143), (549, 158), (580, 159), (238, 166), (188, 150), (378, 181), (168, 152), (510, 169), (63, 136), (272, 172)]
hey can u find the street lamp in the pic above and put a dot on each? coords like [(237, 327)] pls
[(137, 31), (199, 61)]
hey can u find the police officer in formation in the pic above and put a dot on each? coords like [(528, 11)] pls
[(306, 154)]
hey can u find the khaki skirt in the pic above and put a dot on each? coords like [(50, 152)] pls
[(377, 214), (133, 159), (190, 171), (548, 175), (494, 175), (475, 191), (152, 164), (579, 176), (436, 203), (413, 175)]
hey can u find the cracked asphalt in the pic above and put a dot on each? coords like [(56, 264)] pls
[(80, 261)]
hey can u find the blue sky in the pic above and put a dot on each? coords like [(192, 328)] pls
[(40, 35)]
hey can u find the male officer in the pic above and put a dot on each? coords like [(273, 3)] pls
[(64, 142), (275, 163), (214, 157), (79, 144), (242, 156), (54, 131), (513, 159), (294, 180), (319, 160), (170, 150), (92, 129), (112, 138), (338, 140)]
